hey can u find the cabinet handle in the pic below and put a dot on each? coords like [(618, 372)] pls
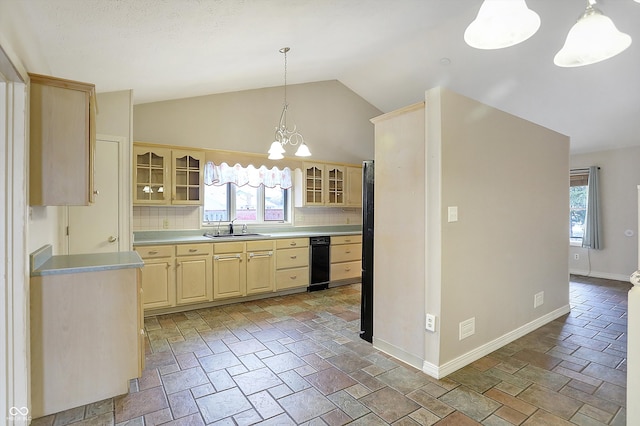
[(347, 269), (294, 257), (193, 250), (293, 243), (293, 277), (96, 192), (347, 251), (235, 256), (268, 254), (153, 252)]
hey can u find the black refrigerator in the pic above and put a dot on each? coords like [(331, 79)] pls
[(366, 304)]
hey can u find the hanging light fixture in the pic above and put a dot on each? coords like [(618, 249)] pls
[(285, 136), (501, 23), (592, 39)]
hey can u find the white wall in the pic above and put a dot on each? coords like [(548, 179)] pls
[(333, 120), (508, 178), (619, 177)]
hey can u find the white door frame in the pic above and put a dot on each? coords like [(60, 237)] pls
[(124, 209), (14, 270)]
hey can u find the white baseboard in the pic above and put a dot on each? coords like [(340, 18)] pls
[(605, 275), (398, 353), (449, 367)]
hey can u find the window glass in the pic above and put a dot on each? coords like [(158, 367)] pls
[(274, 204), (216, 203), (246, 203), (578, 198)]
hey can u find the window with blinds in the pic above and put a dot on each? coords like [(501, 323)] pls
[(578, 198)]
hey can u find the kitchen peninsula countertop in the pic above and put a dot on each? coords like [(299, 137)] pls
[(44, 263), (142, 238)]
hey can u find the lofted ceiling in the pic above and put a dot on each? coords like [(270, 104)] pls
[(387, 51)]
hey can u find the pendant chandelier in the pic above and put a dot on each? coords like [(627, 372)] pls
[(285, 136), (504, 23), (592, 39)]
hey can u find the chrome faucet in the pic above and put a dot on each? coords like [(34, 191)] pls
[(244, 228), (231, 226), (218, 230)]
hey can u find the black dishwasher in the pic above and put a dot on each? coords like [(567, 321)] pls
[(320, 262)]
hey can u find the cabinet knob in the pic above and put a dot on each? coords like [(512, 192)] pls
[(193, 250), (294, 257), (96, 192), (293, 243), (112, 239)]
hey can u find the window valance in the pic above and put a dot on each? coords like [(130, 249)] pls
[(223, 174)]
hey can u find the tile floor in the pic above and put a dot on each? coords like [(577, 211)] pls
[(298, 360)]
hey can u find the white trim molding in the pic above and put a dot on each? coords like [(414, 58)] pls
[(596, 274), (447, 368), (398, 353)]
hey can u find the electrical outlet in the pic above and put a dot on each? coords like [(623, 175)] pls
[(430, 322), (538, 299), (165, 224), (576, 256)]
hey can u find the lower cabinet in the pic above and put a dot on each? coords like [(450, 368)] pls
[(292, 263), (346, 257), (229, 271), (194, 273), (158, 276), (260, 266)]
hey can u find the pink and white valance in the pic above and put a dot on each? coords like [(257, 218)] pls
[(223, 174)]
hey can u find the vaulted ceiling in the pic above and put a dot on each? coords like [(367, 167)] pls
[(387, 51)]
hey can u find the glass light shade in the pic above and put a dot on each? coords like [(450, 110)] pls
[(501, 23), (303, 151), (275, 156), (276, 148), (592, 39)]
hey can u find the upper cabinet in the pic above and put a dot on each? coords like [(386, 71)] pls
[(354, 187), (321, 185), (167, 176), (62, 141), (329, 185)]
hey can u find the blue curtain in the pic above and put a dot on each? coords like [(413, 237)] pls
[(592, 235)]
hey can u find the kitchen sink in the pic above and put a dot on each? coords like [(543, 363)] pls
[(248, 234)]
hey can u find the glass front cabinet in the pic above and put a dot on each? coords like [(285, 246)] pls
[(166, 176), (324, 185)]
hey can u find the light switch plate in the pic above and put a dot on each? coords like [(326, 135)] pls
[(452, 213)]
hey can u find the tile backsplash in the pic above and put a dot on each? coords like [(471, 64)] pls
[(152, 218)]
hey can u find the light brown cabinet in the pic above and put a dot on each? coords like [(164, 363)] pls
[(354, 187), (260, 266), (229, 270), (194, 268), (346, 257), (158, 276), (292, 263), (62, 141), (165, 176)]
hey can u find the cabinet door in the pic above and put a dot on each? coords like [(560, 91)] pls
[(260, 272), (334, 185), (158, 284), (188, 167), (151, 175), (193, 279), (354, 187), (313, 184), (229, 276)]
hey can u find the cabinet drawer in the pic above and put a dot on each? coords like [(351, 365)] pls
[(346, 252), (193, 249), (292, 242), (152, 252), (235, 247), (292, 258), (260, 245), (342, 271), (346, 239), (292, 278)]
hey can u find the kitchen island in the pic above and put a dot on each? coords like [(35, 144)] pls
[(86, 322)]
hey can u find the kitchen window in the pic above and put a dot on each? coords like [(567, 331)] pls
[(246, 194), (578, 201)]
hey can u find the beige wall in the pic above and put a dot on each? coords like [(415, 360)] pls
[(509, 178), (619, 177), (333, 120), (399, 223), (115, 113)]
